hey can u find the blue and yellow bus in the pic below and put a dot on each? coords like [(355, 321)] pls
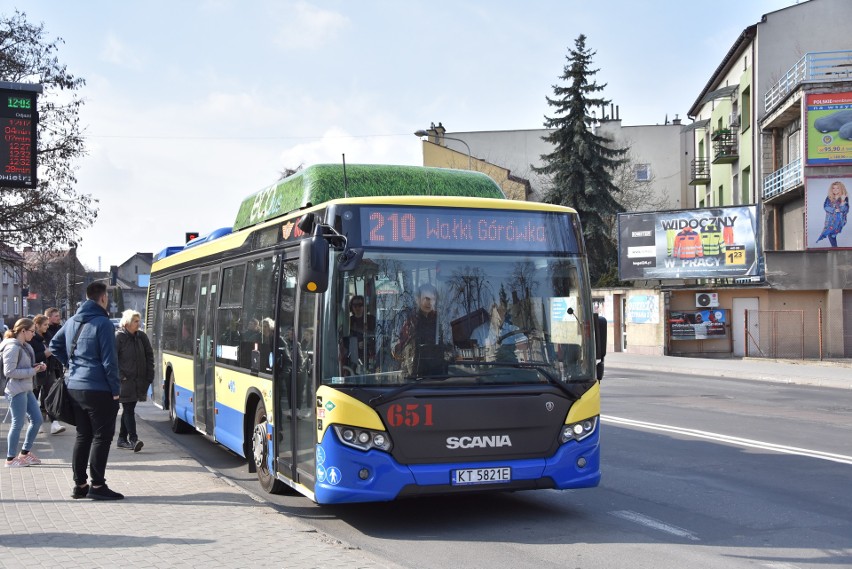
[(284, 338)]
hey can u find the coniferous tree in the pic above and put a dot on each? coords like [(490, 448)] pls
[(581, 165)]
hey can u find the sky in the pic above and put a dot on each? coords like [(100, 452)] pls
[(192, 105)]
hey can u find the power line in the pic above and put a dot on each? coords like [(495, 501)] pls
[(159, 137)]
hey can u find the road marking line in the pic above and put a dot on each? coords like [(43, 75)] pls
[(654, 524), (843, 459)]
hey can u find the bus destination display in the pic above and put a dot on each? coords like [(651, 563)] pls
[(480, 230), (18, 119)]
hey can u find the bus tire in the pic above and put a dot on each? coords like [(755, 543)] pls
[(260, 453), (178, 425)]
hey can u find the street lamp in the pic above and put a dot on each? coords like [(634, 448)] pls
[(422, 133)]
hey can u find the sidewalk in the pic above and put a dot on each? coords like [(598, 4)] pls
[(179, 514), (176, 514), (837, 373)]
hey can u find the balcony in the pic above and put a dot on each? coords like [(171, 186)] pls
[(783, 180), (700, 172), (724, 147), (814, 66)]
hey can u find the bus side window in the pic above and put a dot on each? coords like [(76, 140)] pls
[(228, 316), (258, 303)]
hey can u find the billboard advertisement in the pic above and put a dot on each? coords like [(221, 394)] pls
[(699, 325), (827, 211), (829, 128), (692, 243)]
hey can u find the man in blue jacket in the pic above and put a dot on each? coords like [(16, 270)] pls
[(86, 345)]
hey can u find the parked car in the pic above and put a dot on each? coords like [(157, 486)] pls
[(115, 322)]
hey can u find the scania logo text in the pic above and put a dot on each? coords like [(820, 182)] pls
[(479, 442)]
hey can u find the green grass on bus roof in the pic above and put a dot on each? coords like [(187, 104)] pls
[(324, 182)]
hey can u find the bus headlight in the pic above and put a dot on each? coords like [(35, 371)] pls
[(363, 439), (579, 430)]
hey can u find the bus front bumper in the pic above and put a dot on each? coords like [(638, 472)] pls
[(345, 474)]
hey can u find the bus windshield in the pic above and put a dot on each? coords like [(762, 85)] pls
[(466, 319)]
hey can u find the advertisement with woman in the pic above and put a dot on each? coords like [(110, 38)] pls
[(827, 212)]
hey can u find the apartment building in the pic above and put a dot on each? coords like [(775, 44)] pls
[(11, 286), (764, 134), (761, 142)]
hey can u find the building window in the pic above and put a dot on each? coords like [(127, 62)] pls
[(746, 109), (17, 312), (794, 142), (735, 184), (643, 172)]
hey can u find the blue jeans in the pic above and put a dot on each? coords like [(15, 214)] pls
[(95, 413), (23, 405)]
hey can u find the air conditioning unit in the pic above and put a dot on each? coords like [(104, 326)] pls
[(734, 120), (706, 299)]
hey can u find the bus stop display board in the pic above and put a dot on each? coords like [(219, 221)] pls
[(18, 119)]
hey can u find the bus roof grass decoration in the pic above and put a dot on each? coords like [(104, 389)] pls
[(324, 182)]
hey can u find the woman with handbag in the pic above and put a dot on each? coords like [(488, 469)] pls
[(20, 367), (46, 378)]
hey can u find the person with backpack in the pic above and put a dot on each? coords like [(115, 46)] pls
[(86, 345), (19, 369)]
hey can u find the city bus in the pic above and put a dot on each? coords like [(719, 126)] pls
[(282, 337)]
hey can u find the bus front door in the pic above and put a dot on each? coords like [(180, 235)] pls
[(205, 350), (284, 372), (305, 396), (295, 412)]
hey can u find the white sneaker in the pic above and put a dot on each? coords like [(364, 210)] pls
[(56, 427)]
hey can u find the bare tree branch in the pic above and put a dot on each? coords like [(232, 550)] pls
[(54, 212)]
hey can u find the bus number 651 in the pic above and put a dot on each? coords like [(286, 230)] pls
[(410, 415)]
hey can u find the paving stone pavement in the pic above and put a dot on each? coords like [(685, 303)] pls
[(176, 514)]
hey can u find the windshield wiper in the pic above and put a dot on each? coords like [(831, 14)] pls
[(540, 367), (420, 380)]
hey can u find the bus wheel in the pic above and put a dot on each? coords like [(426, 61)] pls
[(178, 425), (260, 453)]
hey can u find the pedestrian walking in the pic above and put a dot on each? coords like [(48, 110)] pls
[(136, 370), (20, 368), (86, 346)]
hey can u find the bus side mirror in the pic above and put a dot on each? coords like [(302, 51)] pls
[(600, 344), (313, 264)]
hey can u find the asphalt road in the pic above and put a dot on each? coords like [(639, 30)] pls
[(697, 472)]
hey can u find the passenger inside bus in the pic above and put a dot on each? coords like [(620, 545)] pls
[(498, 335), (267, 329), (358, 349), (250, 345)]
